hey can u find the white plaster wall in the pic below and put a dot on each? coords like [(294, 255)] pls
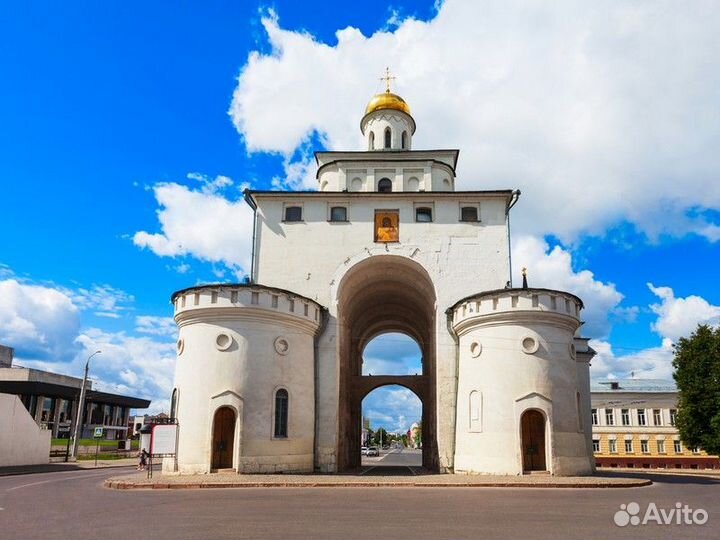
[(22, 442), (461, 259), (512, 381), (245, 377)]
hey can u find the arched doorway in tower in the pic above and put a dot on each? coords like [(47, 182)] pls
[(532, 426), (386, 298), (391, 431), (223, 438)]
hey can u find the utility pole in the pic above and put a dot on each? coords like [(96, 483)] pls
[(81, 406)]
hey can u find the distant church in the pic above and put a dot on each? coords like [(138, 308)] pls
[(269, 373)]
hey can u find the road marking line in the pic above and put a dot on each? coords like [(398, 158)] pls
[(55, 480)]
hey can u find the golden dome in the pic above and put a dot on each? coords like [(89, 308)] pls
[(387, 100)]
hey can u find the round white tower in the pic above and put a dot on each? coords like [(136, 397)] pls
[(523, 401), (244, 379)]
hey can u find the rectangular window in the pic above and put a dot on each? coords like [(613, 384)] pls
[(644, 448), (293, 213), (677, 446), (625, 413), (673, 416), (661, 447), (596, 445), (612, 446), (696, 450), (657, 418), (338, 213), (594, 417), (423, 214), (628, 447), (609, 417), (641, 417), (469, 213)]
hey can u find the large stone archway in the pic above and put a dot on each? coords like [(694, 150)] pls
[(384, 293)]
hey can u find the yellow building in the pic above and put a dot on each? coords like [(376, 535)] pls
[(634, 426)]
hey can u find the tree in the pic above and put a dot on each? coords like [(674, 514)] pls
[(697, 374), (380, 435)]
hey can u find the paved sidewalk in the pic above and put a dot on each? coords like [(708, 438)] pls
[(70, 466), (233, 480)]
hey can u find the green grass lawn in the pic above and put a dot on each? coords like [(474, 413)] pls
[(91, 457), (93, 442)]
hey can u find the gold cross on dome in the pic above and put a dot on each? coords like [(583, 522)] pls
[(387, 78)]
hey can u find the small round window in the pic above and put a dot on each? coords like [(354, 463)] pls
[(530, 345), (223, 342)]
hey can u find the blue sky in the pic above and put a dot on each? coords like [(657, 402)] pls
[(126, 127)]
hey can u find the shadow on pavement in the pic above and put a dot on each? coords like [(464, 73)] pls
[(663, 478)]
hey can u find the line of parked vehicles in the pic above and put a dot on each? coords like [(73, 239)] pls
[(369, 451)]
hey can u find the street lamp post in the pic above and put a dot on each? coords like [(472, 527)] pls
[(81, 406)]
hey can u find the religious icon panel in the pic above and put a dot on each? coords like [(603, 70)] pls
[(387, 226)]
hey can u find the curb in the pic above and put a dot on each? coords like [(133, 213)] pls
[(124, 485)]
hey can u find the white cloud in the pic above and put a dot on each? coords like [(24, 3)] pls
[(201, 222), (679, 317), (43, 324), (107, 301), (676, 318), (598, 113), (650, 363), (552, 268), (38, 321), (136, 366), (157, 326)]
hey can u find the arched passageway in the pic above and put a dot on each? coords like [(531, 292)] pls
[(392, 425), (382, 294)]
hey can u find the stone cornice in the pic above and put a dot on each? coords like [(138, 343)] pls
[(242, 313), (518, 317)]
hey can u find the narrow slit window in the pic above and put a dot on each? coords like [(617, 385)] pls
[(388, 138), (281, 414)]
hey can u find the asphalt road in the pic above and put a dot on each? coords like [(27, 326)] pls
[(73, 504), (402, 461)]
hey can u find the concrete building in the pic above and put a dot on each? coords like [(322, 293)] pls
[(269, 373), (634, 426), (52, 400)]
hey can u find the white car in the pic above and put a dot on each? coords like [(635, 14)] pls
[(363, 451)]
